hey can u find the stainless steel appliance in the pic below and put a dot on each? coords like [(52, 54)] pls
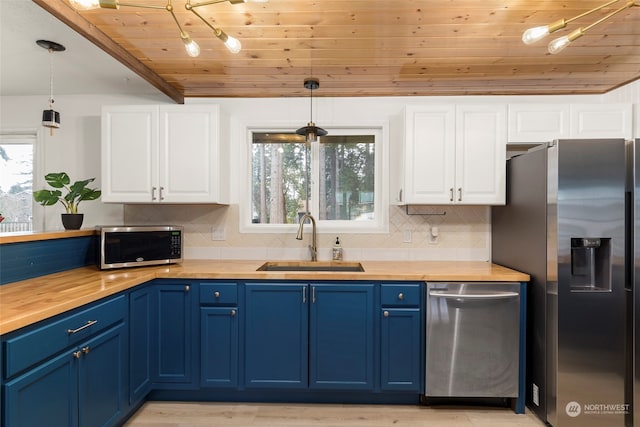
[(633, 231), (137, 246), (472, 342), (564, 224)]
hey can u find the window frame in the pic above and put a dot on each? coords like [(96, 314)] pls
[(381, 186), (38, 214)]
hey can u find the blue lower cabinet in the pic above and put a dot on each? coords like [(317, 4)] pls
[(141, 316), (44, 396), (341, 337), (317, 337), (276, 330), (219, 347), (102, 378), (173, 348), (400, 349), (84, 386)]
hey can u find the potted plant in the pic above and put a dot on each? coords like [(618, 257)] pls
[(75, 193)]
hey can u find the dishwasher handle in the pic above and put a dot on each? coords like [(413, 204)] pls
[(484, 297)]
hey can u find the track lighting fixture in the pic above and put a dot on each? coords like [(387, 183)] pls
[(535, 34), (190, 45)]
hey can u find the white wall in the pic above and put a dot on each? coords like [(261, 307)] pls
[(75, 148)]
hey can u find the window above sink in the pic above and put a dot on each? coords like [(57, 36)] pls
[(346, 185)]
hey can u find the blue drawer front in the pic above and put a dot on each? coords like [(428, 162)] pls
[(29, 348), (219, 293), (401, 295)]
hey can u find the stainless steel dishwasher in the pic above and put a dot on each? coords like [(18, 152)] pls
[(472, 339)]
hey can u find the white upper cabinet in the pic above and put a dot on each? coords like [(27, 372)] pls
[(481, 136), (602, 121), (163, 154), (129, 153), (454, 155), (429, 154), (538, 123)]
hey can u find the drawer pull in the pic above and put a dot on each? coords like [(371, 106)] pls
[(77, 354), (216, 294), (233, 313), (400, 296), (85, 326), (385, 313), (86, 349)]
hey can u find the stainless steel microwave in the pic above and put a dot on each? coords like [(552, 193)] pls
[(136, 246)]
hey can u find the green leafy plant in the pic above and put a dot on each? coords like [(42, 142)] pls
[(76, 192)]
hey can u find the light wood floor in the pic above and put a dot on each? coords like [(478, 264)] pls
[(199, 414)]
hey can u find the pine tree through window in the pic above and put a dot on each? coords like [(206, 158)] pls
[(341, 171)]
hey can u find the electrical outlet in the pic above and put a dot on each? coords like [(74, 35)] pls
[(434, 232), (407, 236), (217, 234)]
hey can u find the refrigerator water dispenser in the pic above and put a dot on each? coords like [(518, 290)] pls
[(590, 264)]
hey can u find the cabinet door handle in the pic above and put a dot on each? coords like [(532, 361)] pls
[(85, 326), (400, 296), (304, 294), (233, 312), (86, 349), (187, 288), (459, 194), (77, 354), (451, 194), (153, 193), (400, 195), (385, 313), (216, 294), (161, 196), (313, 294)]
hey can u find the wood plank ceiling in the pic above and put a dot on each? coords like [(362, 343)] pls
[(367, 47)]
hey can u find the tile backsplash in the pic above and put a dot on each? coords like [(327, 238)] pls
[(463, 234)]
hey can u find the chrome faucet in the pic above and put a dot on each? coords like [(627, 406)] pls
[(313, 248)]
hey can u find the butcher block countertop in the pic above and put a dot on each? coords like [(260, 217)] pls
[(29, 301)]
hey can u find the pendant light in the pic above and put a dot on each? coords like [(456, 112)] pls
[(50, 117), (311, 132)]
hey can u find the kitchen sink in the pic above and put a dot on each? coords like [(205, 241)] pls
[(310, 266)]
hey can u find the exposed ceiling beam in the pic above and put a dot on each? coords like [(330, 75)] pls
[(70, 17)]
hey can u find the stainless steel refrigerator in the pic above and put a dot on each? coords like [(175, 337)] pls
[(633, 271), (565, 224)]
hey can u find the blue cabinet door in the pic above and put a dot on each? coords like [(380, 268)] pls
[(341, 337), (44, 396), (219, 347), (102, 378), (173, 334), (401, 338), (276, 336), (140, 337)]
